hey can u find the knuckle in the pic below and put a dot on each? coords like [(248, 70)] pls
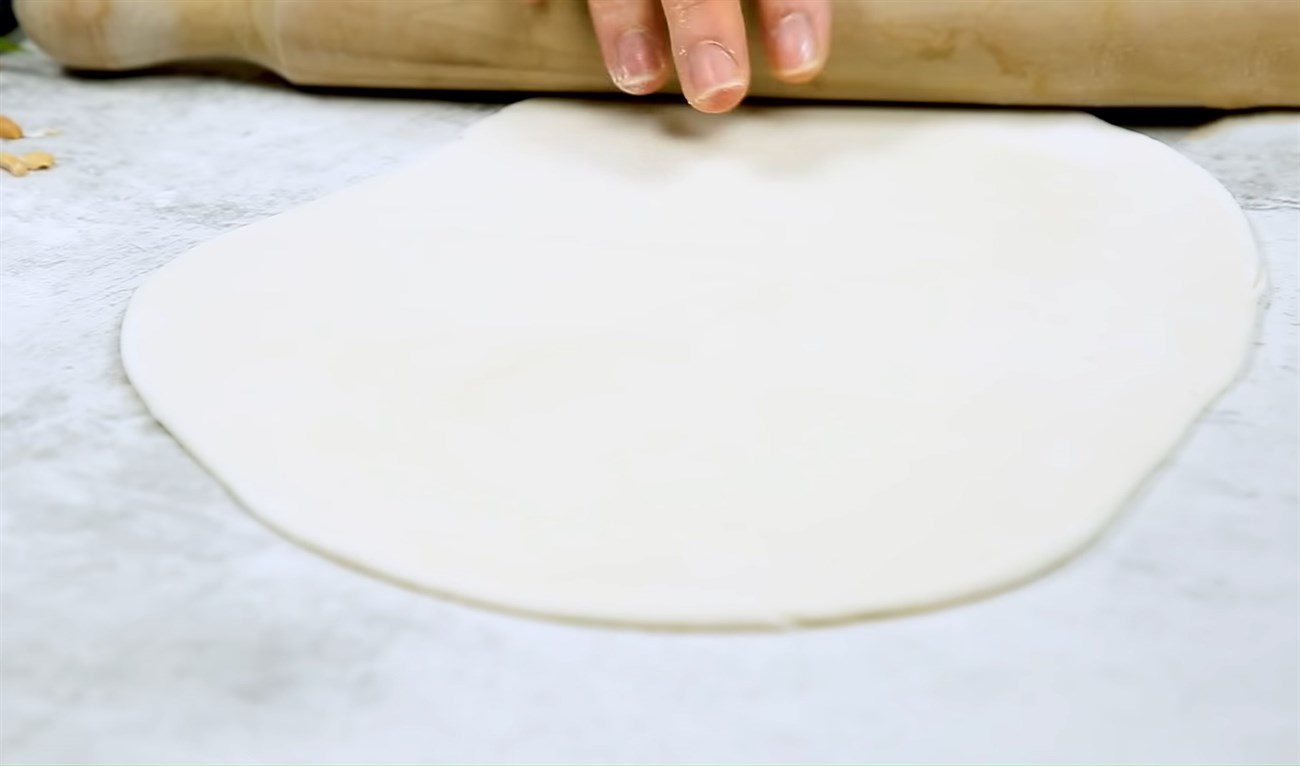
[(686, 7)]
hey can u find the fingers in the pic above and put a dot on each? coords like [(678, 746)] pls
[(797, 34), (632, 43), (708, 44), (708, 47)]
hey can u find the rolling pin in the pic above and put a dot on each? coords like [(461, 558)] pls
[(1216, 53)]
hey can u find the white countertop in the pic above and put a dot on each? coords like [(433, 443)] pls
[(146, 617)]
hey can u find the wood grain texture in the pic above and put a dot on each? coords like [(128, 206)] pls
[(1219, 53)]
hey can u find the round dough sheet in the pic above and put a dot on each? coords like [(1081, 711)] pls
[(633, 364)]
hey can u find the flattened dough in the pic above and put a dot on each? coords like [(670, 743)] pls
[(633, 364)]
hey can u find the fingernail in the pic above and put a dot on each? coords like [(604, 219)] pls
[(796, 45), (639, 63), (713, 70)]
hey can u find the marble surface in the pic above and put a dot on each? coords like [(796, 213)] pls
[(147, 618)]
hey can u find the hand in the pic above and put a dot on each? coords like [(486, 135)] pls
[(707, 41)]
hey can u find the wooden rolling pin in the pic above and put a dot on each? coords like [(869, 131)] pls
[(1219, 53)]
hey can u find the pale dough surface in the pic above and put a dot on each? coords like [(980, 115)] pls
[(638, 365)]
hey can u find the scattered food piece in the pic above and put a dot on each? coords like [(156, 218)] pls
[(19, 166), (38, 160), (13, 164), (9, 129)]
